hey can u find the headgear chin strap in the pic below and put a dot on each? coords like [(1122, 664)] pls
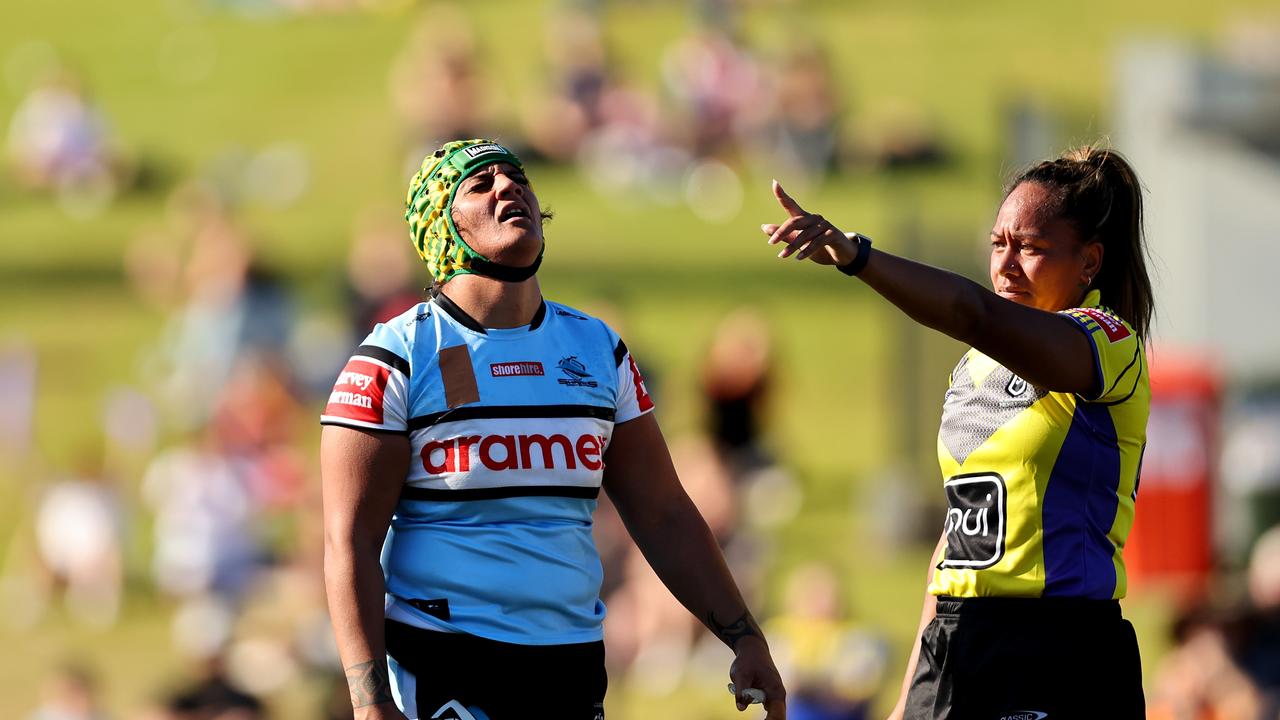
[(428, 205)]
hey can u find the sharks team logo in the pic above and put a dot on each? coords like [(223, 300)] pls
[(575, 372)]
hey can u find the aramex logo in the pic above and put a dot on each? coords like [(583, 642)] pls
[(513, 452)]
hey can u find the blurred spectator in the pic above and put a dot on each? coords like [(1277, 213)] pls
[(70, 694), (380, 272), (79, 524), (718, 87), (832, 669), (803, 136), (205, 536), (1198, 679), (1225, 664), (735, 383), (233, 308), (59, 142), (1259, 640), (436, 86), (579, 76), (212, 696), (18, 365)]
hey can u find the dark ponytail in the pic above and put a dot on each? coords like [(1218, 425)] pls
[(1097, 190)]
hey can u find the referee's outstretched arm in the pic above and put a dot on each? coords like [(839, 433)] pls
[(1044, 348), (642, 482)]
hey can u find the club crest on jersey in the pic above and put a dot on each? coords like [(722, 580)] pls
[(1017, 387), (576, 374)]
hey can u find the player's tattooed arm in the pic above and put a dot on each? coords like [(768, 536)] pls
[(730, 634), (368, 684)]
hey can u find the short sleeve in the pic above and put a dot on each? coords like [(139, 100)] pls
[(1117, 353), (372, 391), (633, 397)]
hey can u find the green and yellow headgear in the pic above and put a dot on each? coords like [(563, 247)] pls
[(428, 205)]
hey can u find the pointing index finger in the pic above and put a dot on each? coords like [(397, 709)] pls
[(791, 206)]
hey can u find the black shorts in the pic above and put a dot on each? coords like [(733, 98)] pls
[(494, 680), (1027, 659)]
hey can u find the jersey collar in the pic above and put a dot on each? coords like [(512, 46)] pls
[(1092, 299), (462, 318)]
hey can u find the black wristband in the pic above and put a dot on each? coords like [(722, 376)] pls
[(859, 261)]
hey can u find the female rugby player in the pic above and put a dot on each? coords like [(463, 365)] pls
[(1042, 434), (465, 444)]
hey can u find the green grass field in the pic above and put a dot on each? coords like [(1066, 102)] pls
[(841, 401)]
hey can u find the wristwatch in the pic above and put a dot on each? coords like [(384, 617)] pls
[(859, 261)]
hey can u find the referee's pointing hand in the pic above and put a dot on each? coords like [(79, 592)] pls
[(808, 235)]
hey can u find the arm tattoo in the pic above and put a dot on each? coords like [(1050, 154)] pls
[(368, 684), (730, 634)]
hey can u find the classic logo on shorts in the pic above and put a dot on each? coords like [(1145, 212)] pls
[(1025, 715), (975, 521)]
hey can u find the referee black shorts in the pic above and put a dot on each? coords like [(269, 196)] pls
[(1027, 659), (452, 676)]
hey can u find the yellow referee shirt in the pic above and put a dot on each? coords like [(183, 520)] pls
[(1041, 485)]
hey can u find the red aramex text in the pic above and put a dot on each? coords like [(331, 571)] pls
[(513, 452)]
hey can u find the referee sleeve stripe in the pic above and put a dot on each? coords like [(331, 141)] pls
[(1124, 372)]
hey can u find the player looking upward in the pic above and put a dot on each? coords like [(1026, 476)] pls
[(466, 442)]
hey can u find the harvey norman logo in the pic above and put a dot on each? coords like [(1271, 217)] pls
[(516, 369), (478, 150)]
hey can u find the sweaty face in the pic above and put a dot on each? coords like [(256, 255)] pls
[(1037, 256), (498, 215)]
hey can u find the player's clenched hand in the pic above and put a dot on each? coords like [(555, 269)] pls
[(753, 668), (808, 235)]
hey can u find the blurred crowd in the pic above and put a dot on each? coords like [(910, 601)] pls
[(200, 499)]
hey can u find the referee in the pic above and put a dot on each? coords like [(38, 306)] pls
[(1043, 428)]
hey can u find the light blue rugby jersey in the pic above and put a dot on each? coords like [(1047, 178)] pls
[(492, 534)]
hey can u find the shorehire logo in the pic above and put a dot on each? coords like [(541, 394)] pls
[(1025, 715), (576, 372)]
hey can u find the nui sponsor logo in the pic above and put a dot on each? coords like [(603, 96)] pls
[(975, 521)]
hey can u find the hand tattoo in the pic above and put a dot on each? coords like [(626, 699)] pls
[(730, 634), (368, 684)]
